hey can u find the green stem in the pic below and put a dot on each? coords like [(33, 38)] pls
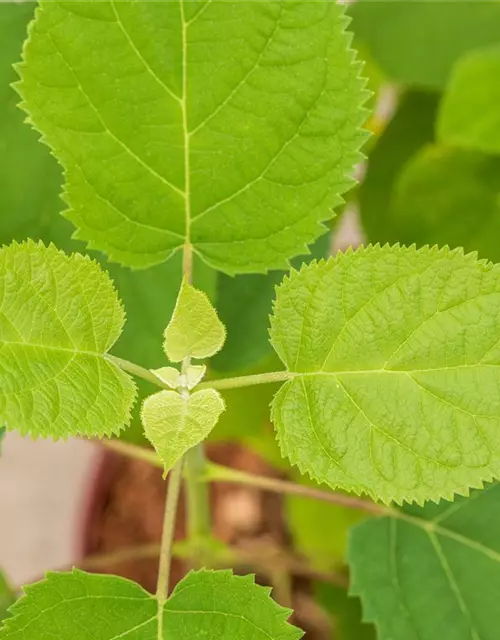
[(217, 473), (223, 383), (197, 495), (137, 370), (167, 541), (247, 381)]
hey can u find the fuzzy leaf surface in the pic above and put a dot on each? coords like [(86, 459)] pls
[(394, 357), (155, 153), (417, 43), (469, 116), (449, 196), (59, 316), (215, 605), (194, 330), (432, 572), (174, 424)]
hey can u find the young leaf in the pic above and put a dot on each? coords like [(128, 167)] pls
[(154, 152), (469, 116), (411, 127), (195, 330), (449, 196), (433, 572), (59, 316), (214, 605), (395, 365), (417, 43), (173, 424)]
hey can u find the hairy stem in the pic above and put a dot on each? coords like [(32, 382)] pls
[(223, 383), (197, 494), (217, 473), (167, 541), (136, 370), (247, 381)]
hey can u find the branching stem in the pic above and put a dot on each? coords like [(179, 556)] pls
[(217, 473)]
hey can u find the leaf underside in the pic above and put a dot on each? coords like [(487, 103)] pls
[(432, 572), (244, 167), (396, 355), (214, 605), (173, 424), (59, 315)]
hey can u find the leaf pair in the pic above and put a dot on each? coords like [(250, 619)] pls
[(175, 421), (393, 357), (214, 605)]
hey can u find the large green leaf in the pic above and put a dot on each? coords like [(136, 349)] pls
[(409, 130), (417, 43), (30, 183), (433, 572), (6, 596), (394, 360), (469, 116), (59, 316), (233, 126), (213, 605), (449, 196)]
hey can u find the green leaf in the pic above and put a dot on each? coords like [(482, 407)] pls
[(2, 435), (244, 304), (153, 152), (148, 295), (345, 613), (174, 423), (433, 572), (195, 330), (6, 596), (449, 196), (394, 358), (410, 129), (417, 43), (59, 317), (214, 605), (469, 116)]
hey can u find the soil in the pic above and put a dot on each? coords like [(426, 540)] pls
[(125, 511)]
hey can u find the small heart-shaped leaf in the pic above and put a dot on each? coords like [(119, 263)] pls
[(173, 423), (195, 330)]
